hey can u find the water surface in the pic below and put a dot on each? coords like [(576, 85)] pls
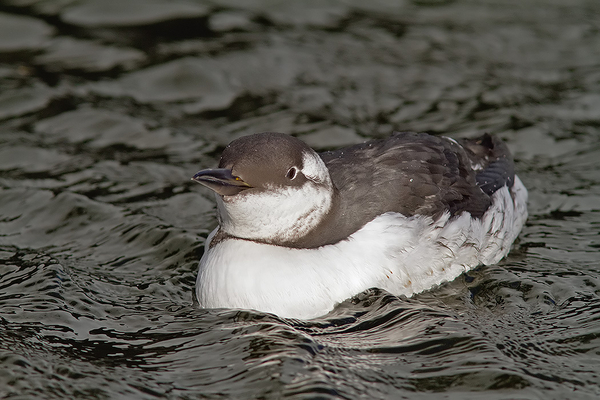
[(107, 108)]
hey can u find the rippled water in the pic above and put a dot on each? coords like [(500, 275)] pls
[(107, 108)]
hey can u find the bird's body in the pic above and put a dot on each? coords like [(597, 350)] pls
[(300, 232)]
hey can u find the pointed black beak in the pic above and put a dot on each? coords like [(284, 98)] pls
[(221, 180)]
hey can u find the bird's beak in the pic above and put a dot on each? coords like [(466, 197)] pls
[(221, 180)]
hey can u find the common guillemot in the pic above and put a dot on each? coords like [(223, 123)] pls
[(300, 231)]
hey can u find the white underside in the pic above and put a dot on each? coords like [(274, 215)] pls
[(401, 255)]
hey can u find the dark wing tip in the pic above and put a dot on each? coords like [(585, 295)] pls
[(492, 154), (495, 175)]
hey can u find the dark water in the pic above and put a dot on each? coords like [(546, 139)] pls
[(107, 108)]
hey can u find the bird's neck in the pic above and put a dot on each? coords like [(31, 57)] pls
[(282, 219), (311, 231)]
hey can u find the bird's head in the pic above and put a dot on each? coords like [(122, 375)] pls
[(270, 187)]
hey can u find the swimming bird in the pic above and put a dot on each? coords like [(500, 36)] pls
[(300, 231)]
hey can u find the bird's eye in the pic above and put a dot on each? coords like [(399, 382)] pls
[(291, 174)]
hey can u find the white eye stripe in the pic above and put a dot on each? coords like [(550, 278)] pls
[(314, 168)]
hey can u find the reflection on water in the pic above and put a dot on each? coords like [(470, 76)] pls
[(108, 108)]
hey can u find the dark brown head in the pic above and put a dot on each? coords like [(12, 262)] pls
[(270, 186)]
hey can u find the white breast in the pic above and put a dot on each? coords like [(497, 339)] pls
[(399, 254)]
